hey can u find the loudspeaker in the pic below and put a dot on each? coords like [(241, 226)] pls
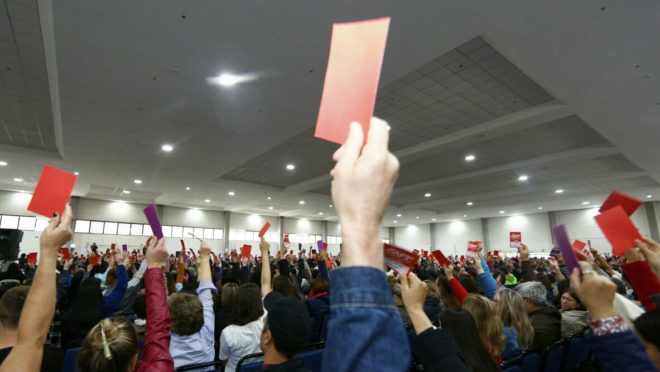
[(9, 241)]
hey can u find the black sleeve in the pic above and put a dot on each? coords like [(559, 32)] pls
[(435, 350), (527, 274)]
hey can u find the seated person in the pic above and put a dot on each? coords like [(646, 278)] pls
[(285, 330)]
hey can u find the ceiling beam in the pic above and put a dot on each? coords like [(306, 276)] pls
[(516, 121)]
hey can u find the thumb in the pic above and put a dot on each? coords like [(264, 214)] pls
[(404, 282)]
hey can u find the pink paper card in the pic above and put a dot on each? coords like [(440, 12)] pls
[(52, 192), (264, 229), (627, 202), (399, 259), (515, 239), (618, 229), (351, 78)]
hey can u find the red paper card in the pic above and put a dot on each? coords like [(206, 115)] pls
[(415, 251), (618, 229), (399, 259), (515, 239), (351, 78), (496, 253), (246, 251), (442, 260), (66, 254), (263, 230), (425, 254), (627, 202), (52, 192), (95, 260), (578, 245), (32, 258), (473, 246), (113, 246)]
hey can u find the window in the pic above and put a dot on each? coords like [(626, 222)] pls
[(199, 232), (96, 227), (208, 234), (177, 231), (136, 229), (167, 231), (27, 223), (252, 235), (187, 231), (9, 222), (124, 229), (41, 224), (110, 228), (218, 234), (146, 231), (82, 226)]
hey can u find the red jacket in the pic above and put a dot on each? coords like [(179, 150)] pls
[(644, 281), (156, 353)]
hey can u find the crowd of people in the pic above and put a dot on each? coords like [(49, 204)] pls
[(155, 311)]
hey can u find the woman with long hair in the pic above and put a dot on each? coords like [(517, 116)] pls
[(460, 324), (83, 314), (518, 330), (488, 323)]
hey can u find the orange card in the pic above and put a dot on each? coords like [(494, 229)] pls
[(618, 229), (627, 202), (52, 192), (351, 78)]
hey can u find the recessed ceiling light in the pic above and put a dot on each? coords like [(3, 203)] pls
[(501, 212), (559, 191), (399, 215), (3, 163), (187, 188), (127, 192), (540, 208), (269, 198), (231, 193), (434, 219), (137, 182), (330, 206), (302, 202), (469, 204), (167, 148), (226, 80), (395, 221), (523, 178), (18, 179), (417, 217), (290, 167), (271, 208), (207, 200), (427, 195), (470, 157), (320, 213), (465, 216), (585, 203), (76, 173), (649, 196)]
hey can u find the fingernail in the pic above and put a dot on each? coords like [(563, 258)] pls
[(354, 125)]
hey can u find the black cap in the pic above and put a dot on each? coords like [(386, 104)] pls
[(288, 322)]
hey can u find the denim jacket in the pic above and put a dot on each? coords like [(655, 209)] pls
[(365, 332)]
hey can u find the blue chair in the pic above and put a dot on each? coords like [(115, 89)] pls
[(513, 369), (70, 357), (313, 360), (577, 353), (531, 362), (555, 357), (323, 332), (219, 367), (252, 366)]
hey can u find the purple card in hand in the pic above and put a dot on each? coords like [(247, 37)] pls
[(319, 244), (152, 216), (561, 238)]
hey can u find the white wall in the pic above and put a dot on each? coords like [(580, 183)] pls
[(535, 230), (452, 237), (413, 237)]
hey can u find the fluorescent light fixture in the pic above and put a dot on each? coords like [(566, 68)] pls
[(18, 179), (649, 196), (3, 163), (137, 182), (268, 198), (228, 80), (523, 178), (470, 157), (76, 173), (501, 212), (559, 191), (434, 219), (427, 195), (395, 221), (320, 213), (399, 215), (271, 208), (416, 217), (469, 204), (72, 245), (585, 203), (465, 216), (207, 200), (330, 206), (540, 208), (167, 148), (231, 193), (302, 202), (290, 167)]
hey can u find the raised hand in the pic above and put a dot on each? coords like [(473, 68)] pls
[(596, 292), (651, 251), (156, 253), (524, 252), (57, 233), (204, 250)]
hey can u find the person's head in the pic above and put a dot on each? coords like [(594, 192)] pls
[(111, 277), (570, 301), (229, 292), (460, 324), (284, 285), (533, 294), (11, 306), (446, 296), (286, 329), (488, 322), (171, 283), (320, 285), (248, 306), (468, 282), (647, 326), (510, 307), (140, 307), (14, 269), (432, 291), (86, 306), (111, 346), (186, 312)]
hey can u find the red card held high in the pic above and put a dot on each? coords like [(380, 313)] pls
[(442, 260), (578, 245), (246, 251), (52, 192), (264, 229), (351, 78), (399, 259), (618, 229), (32, 258), (66, 254), (627, 202)]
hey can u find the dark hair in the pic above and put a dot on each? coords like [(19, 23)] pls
[(186, 312), (468, 282), (140, 307), (446, 296), (320, 285), (4, 287), (112, 273), (620, 286), (461, 326), (11, 306), (647, 326), (84, 312), (284, 285), (171, 282), (248, 306)]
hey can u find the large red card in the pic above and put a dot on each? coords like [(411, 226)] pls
[(578, 245), (351, 78), (399, 259), (32, 258), (263, 230), (618, 229), (52, 192), (246, 251), (95, 260), (66, 254), (627, 202), (442, 260)]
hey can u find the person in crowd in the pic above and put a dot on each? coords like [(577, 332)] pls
[(193, 321), (573, 315), (647, 327), (318, 299), (223, 309), (432, 305), (488, 323), (140, 316), (83, 314), (285, 330), (111, 346), (395, 287), (13, 273), (116, 283), (518, 330), (461, 326), (545, 319), (125, 306)]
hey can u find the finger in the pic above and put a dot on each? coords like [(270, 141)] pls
[(644, 248), (338, 154), (378, 137), (53, 222), (414, 279), (650, 242), (352, 146), (404, 282), (67, 218), (575, 280)]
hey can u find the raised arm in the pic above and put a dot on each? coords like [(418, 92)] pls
[(205, 293), (266, 286), (39, 305)]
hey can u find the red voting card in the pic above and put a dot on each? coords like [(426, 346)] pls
[(618, 229), (95, 260), (515, 239), (399, 259), (627, 202), (32, 258), (496, 253), (52, 192), (246, 251), (416, 251), (351, 78), (66, 254), (425, 254), (264, 229), (442, 260), (113, 246), (473, 246), (578, 245)]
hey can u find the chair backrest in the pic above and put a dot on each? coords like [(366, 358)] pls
[(7, 281), (323, 331), (555, 357), (514, 368), (577, 352), (243, 364), (218, 367), (70, 357), (531, 362), (313, 360)]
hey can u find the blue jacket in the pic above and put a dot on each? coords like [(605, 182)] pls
[(619, 352), (365, 332), (112, 299), (511, 347), (486, 281)]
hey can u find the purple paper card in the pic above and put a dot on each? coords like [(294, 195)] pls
[(319, 244), (561, 238), (152, 216), (124, 247)]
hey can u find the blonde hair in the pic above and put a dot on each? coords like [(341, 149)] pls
[(511, 310), (432, 290), (488, 323), (108, 347)]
